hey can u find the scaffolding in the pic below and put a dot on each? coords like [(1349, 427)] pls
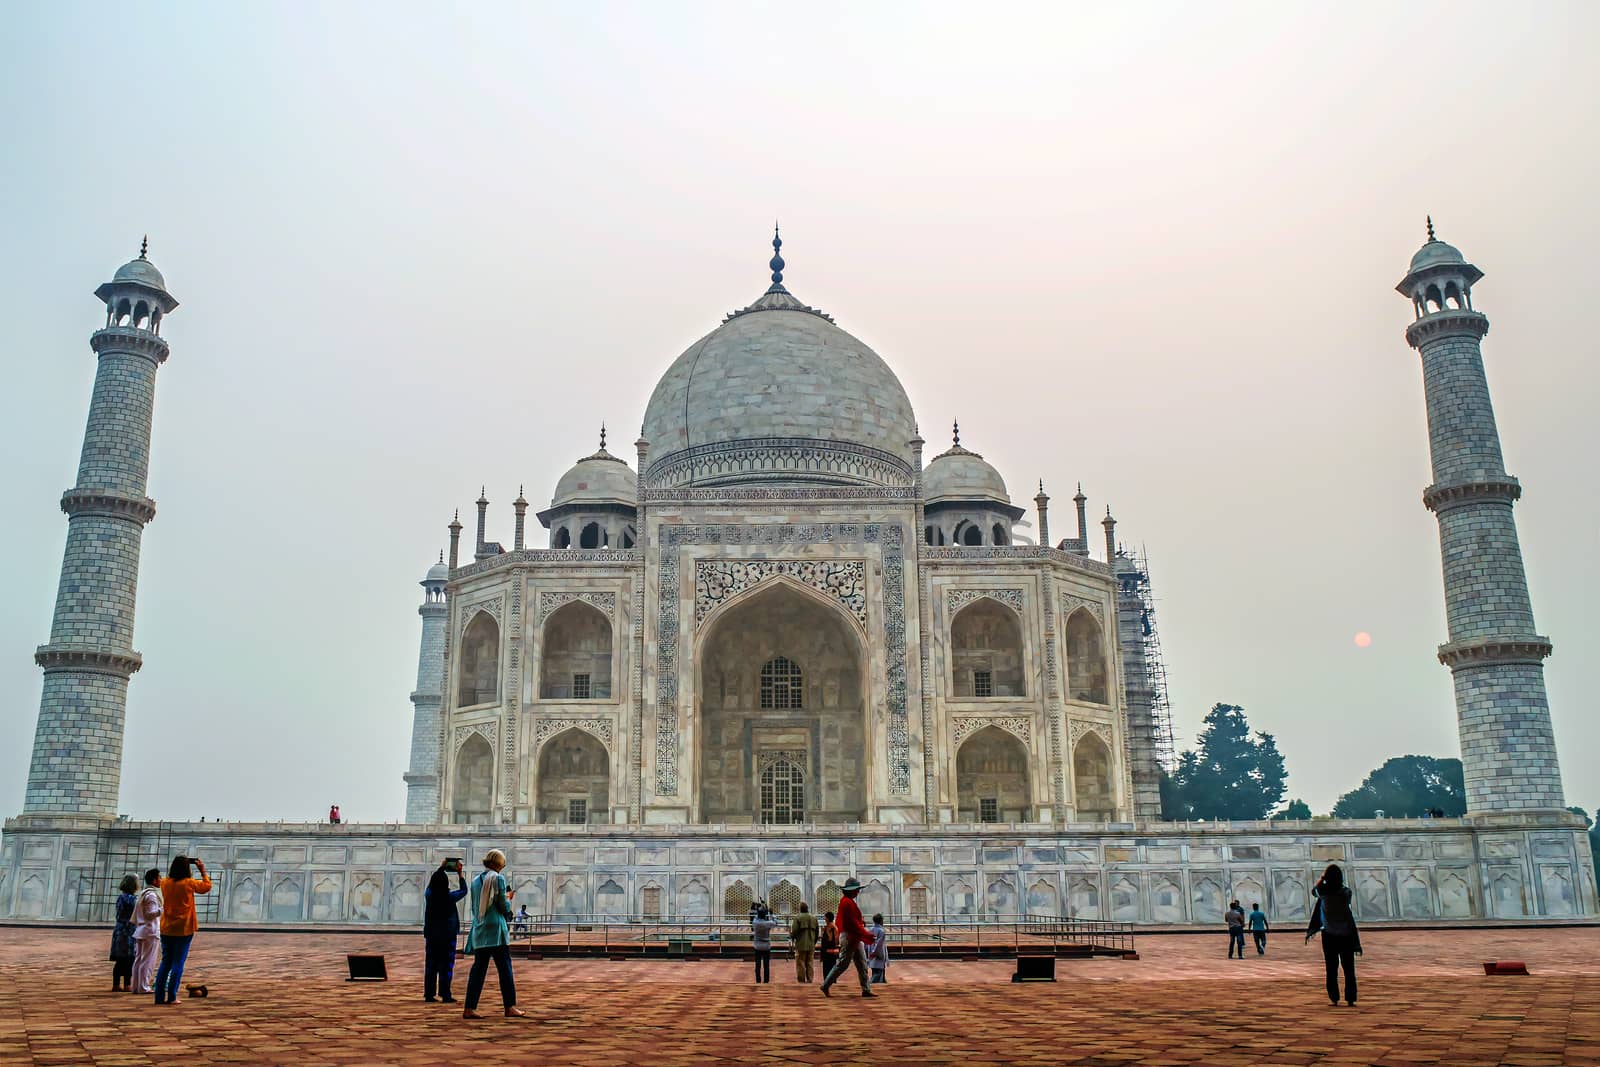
[(122, 848), (1135, 581)]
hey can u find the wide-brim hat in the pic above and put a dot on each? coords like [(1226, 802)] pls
[(850, 886)]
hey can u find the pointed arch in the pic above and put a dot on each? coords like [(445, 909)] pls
[(811, 712), (785, 898), (575, 661), (479, 672), (992, 781), (986, 651), (472, 792), (1087, 676), (828, 894), (1093, 789), (573, 779)]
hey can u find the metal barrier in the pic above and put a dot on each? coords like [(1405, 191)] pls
[(920, 935)]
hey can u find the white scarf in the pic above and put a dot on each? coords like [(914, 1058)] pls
[(489, 892)]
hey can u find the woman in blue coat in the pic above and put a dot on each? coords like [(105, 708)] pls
[(489, 940), (440, 925)]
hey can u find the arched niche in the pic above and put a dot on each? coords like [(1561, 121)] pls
[(472, 797), (574, 779), (1094, 796), (479, 676), (992, 777), (986, 651), (575, 662), (809, 713), (1086, 659)]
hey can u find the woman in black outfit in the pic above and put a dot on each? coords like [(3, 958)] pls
[(1341, 943)]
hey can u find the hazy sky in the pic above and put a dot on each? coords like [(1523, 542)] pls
[(423, 248)]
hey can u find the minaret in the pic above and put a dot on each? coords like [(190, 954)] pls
[(77, 746), (422, 780), (1496, 657), (1111, 537), (520, 506), (1042, 502), (481, 551)]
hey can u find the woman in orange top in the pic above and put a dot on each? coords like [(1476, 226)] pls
[(178, 923)]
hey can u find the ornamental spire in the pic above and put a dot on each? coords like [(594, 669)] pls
[(955, 432), (144, 247), (602, 436), (1431, 237), (777, 257)]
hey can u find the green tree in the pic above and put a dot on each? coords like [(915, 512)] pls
[(1407, 787), (1297, 809), (1231, 774)]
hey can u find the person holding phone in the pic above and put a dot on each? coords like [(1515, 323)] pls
[(440, 927), (178, 923)]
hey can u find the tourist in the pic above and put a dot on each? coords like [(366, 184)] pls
[(333, 814), (1341, 942), (828, 944), (122, 937), (524, 920), (803, 939), (490, 936), (880, 952), (440, 926), (1258, 928), (1235, 929), (147, 931), (178, 923), (853, 940), (761, 940)]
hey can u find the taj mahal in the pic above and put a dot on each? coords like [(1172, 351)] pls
[(782, 640)]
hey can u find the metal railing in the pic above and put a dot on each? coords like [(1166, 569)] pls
[(922, 935)]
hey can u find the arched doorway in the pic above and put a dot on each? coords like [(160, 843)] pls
[(986, 651), (992, 778), (574, 779), (781, 686), (1093, 795), (480, 662), (1086, 659), (576, 661), (473, 793)]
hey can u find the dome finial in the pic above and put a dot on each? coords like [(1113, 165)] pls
[(1431, 237), (955, 432), (777, 255), (602, 436), (144, 246)]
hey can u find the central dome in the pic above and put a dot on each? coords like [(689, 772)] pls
[(779, 395)]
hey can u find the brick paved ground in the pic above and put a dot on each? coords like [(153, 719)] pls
[(281, 998)]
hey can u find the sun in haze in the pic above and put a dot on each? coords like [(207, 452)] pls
[(1363, 639)]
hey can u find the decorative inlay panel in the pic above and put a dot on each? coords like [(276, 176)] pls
[(494, 608), (549, 602), (1078, 727), (485, 730), (545, 729), (719, 580), (1020, 726), (802, 458), (673, 538), (956, 599), (1070, 603), (768, 757)]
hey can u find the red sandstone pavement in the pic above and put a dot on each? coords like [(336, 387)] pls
[(281, 998)]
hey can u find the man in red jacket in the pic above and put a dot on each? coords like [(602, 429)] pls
[(854, 940)]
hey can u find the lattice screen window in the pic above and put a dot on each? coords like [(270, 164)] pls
[(785, 898), (578, 811), (988, 809), (783, 793), (736, 901), (781, 685), (827, 898), (580, 687), (983, 683)]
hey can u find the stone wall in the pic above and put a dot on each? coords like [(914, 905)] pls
[(1482, 867)]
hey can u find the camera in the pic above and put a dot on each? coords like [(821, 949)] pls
[(453, 863)]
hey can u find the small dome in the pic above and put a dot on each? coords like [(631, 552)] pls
[(439, 572), (598, 479), (962, 475), (1434, 253), (141, 271)]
